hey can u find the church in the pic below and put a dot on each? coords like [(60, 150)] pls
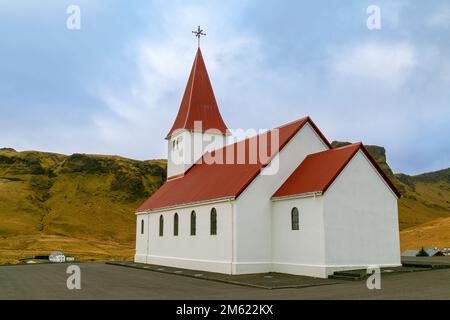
[(282, 201)]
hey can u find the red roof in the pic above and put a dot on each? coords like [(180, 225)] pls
[(318, 171), (203, 181), (199, 102)]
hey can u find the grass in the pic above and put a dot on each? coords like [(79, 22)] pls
[(44, 197), (435, 233), (84, 249)]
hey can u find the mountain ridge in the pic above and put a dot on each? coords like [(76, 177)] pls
[(44, 197)]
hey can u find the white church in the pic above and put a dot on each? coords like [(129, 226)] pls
[(302, 208)]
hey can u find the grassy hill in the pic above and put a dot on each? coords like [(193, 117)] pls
[(44, 197), (433, 233)]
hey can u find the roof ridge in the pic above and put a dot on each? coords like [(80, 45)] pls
[(356, 144), (260, 134), (317, 164), (330, 176), (348, 145), (292, 122), (194, 68)]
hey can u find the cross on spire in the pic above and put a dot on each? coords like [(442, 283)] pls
[(198, 33)]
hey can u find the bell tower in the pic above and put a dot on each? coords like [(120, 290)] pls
[(198, 127)]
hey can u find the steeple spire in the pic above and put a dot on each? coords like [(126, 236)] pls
[(199, 102)]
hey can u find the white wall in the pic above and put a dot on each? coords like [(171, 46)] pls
[(361, 219), (175, 163), (353, 225), (253, 252), (141, 239), (202, 251), (300, 251), (193, 145)]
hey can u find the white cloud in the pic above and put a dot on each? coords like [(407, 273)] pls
[(392, 91), (387, 64), (141, 112)]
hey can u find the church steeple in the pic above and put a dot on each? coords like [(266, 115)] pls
[(199, 102), (198, 127)]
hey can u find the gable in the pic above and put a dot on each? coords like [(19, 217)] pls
[(319, 170)]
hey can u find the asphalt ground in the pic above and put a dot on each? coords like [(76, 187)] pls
[(103, 281), (271, 280)]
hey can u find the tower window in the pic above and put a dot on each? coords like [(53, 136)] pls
[(294, 219), (142, 226)]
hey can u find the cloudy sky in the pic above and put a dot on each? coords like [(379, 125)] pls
[(114, 86)]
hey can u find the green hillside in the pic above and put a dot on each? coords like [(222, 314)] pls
[(44, 197)]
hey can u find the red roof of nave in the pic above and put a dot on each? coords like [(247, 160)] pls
[(204, 182)]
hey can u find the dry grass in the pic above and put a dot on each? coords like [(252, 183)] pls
[(83, 205), (432, 234), (429, 201), (15, 248)]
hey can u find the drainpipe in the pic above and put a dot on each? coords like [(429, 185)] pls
[(232, 236), (148, 238)]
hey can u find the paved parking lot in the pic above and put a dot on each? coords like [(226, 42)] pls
[(269, 280), (102, 281)]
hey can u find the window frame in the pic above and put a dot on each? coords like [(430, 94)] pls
[(295, 219), (176, 221), (213, 222), (193, 226), (161, 225)]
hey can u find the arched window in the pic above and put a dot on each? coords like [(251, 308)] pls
[(213, 222), (175, 224), (142, 226), (161, 225), (294, 219), (193, 223)]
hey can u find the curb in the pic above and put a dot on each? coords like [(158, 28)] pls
[(245, 284)]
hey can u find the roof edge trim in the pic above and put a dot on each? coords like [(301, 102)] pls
[(374, 164), (297, 196), (186, 205), (380, 171)]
